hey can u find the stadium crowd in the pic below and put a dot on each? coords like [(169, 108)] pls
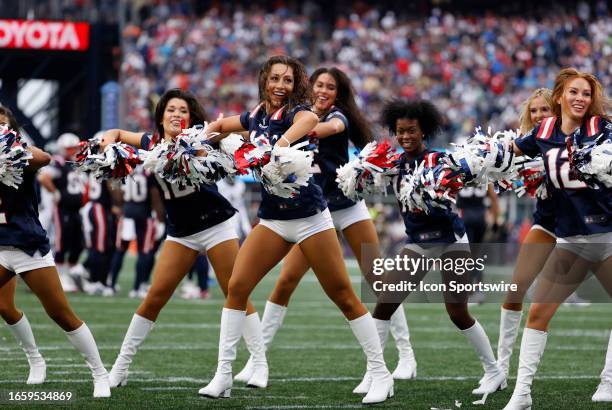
[(478, 70)]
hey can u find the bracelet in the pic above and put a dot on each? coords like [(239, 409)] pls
[(286, 140)]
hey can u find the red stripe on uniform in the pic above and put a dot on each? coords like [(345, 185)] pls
[(593, 126), (254, 112), (546, 128), (278, 113)]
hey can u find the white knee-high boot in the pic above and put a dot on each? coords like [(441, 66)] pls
[(509, 324), (134, 337), (494, 379), (532, 349), (271, 321), (24, 336), (604, 390), (83, 341), (382, 328), (366, 330), (257, 364), (232, 322), (407, 365)]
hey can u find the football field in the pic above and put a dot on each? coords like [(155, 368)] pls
[(315, 362)]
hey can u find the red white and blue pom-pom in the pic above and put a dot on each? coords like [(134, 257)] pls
[(484, 157), (252, 156), (230, 144), (14, 156), (114, 164), (368, 173), (288, 170), (188, 160), (432, 184), (528, 177), (591, 163), (281, 170)]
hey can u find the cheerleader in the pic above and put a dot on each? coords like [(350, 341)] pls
[(440, 233), (536, 246), (198, 220), (339, 121), (583, 217), (25, 251), (303, 220)]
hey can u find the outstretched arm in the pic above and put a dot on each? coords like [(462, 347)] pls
[(328, 128), (303, 123), (117, 135)]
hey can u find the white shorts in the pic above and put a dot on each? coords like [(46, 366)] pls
[(435, 250), (343, 218), (594, 248), (541, 228), (208, 238), (128, 229), (296, 230), (18, 261)]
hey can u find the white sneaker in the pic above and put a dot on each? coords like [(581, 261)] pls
[(67, 283), (136, 294), (603, 393)]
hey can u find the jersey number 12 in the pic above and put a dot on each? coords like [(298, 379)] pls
[(560, 176)]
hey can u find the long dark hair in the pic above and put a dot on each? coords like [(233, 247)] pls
[(429, 118), (196, 111), (301, 91), (360, 130), (12, 121)]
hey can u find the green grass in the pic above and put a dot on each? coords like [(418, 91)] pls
[(314, 361)]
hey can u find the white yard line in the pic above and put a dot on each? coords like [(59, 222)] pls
[(308, 379)]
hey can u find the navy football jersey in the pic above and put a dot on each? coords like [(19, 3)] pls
[(472, 199), (544, 214), (19, 223), (136, 198), (579, 210), (69, 182), (437, 226), (310, 199), (331, 155), (190, 210), (98, 192)]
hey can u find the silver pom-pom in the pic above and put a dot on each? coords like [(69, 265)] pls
[(14, 156), (188, 159), (289, 169)]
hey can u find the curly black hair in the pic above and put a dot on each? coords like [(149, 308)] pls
[(429, 118), (301, 90)]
